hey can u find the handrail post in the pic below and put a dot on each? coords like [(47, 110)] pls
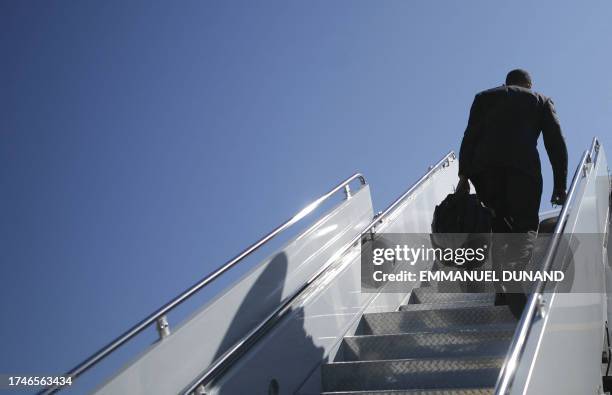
[(163, 327), (347, 191)]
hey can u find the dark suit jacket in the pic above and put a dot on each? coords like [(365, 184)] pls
[(503, 130)]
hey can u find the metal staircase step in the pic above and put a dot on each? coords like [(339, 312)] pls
[(473, 318), (456, 391), (425, 345), (424, 373), (431, 295), (446, 305)]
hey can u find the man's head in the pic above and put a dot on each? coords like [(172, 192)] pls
[(519, 77)]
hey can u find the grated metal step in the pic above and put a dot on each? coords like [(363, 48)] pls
[(425, 345), (426, 320), (428, 373), (448, 305), (432, 296)]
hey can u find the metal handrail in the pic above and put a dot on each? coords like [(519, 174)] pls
[(534, 304), (159, 316), (238, 349)]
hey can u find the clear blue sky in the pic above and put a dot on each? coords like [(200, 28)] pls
[(143, 144)]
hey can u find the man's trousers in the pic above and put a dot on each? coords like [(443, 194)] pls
[(515, 199)]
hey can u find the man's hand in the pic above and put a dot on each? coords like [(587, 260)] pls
[(463, 187), (558, 196)]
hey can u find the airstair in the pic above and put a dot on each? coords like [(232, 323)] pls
[(298, 321), (437, 344)]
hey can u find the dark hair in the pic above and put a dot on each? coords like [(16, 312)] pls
[(518, 77)]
